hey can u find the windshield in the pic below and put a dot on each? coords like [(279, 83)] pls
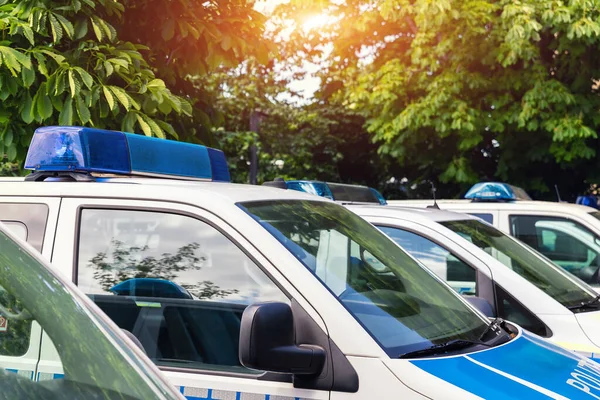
[(524, 261), (400, 303), (96, 364)]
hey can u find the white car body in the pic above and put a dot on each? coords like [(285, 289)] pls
[(221, 251), (499, 214), (575, 331)]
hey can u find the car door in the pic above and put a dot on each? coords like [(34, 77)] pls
[(32, 219), (178, 278)]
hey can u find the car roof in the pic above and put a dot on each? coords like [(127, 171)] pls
[(152, 189), (497, 205), (410, 213)]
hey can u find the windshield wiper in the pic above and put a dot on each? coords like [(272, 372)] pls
[(586, 304), (442, 348), (494, 327)]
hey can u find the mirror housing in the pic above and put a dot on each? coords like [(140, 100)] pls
[(267, 342), (482, 305)]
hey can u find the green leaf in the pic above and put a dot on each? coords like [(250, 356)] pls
[(72, 84), (28, 33), (28, 77), (144, 125), (97, 29), (85, 77), (57, 31), (66, 115), (82, 110), (81, 29), (11, 152), (26, 114), (156, 83), (66, 25), (14, 59), (43, 104), (122, 96), (168, 30), (109, 97), (109, 68), (8, 137)]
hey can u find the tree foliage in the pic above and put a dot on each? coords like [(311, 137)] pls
[(63, 63), (466, 90), (292, 141)]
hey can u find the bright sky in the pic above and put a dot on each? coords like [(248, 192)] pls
[(310, 83)]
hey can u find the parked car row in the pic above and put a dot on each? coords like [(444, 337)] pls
[(250, 292)]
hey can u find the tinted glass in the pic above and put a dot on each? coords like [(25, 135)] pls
[(459, 275), (523, 261), (95, 362), (511, 310), (489, 218), (400, 303), (566, 242), (178, 284), (352, 193)]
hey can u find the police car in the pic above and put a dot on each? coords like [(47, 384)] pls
[(568, 234), (96, 361), (248, 292), (472, 256)]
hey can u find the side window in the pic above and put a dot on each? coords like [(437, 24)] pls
[(489, 218), (178, 284), (511, 310), (444, 264), (565, 242), (28, 222)]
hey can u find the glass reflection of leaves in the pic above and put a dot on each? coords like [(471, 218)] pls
[(129, 262)]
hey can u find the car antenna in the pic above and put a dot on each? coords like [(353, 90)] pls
[(433, 190), (557, 193)]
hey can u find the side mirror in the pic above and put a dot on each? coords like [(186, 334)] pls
[(267, 342), (482, 305)]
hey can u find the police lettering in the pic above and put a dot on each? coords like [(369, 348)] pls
[(586, 377)]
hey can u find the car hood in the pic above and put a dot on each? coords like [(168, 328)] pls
[(590, 324), (527, 367)]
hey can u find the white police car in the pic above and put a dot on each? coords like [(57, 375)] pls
[(247, 292), (96, 360), (568, 234), (472, 256)]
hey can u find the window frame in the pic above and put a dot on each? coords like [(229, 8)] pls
[(266, 376)]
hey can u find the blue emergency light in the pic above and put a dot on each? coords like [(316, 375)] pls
[(89, 150), (496, 191)]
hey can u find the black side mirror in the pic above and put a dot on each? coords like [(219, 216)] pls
[(482, 305), (267, 342)]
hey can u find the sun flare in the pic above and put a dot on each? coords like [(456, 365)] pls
[(316, 21)]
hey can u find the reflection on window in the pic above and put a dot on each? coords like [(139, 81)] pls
[(489, 218), (397, 301), (567, 243), (525, 262), (175, 282), (443, 263), (14, 333), (511, 310)]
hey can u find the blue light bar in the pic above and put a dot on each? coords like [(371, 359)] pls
[(496, 191), (88, 150)]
